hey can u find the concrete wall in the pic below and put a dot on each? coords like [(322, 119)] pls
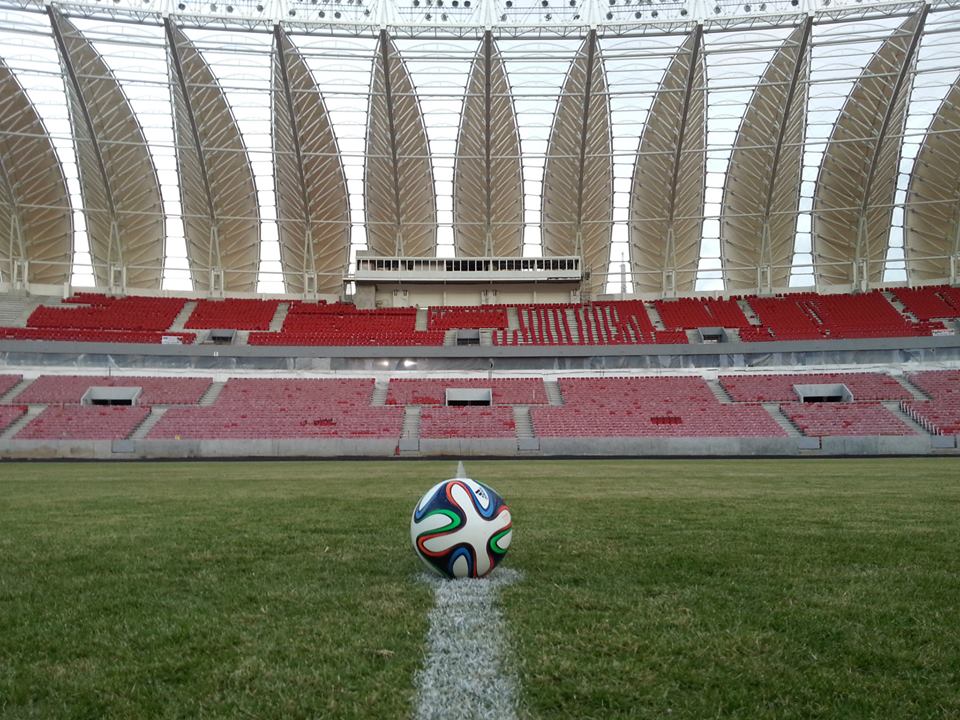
[(585, 447)]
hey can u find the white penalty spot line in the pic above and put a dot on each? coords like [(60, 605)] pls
[(465, 675)]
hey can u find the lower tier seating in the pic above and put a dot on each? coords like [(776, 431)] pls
[(70, 389), (230, 422), (941, 414), (84, 422), (829, 419), (470, 422), (8, 383), (251, 408), (648, 407), (779, 388), (9, 414), (505, 391)]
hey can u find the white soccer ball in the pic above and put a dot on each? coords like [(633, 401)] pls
[(461, 528)]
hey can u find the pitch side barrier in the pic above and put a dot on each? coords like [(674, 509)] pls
[(28, 353)]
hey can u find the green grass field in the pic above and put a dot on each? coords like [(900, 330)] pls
[(680, 589)]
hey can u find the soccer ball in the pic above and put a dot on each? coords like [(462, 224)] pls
[(461, 528)]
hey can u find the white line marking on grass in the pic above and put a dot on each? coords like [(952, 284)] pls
[(465, 675)]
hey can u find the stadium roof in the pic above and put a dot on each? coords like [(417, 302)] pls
[(695, 146)]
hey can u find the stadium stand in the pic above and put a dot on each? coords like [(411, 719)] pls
[(505, 391), (940, 414), (481, 316), (800, 316), (234, 314), (844, 419), (779, 387), (8, 383), (70, 389), (928, 303), (9, 414), (693, 313), (467, 422), (343, 324), (84, 422), (101, 312), (649, 407), (294, 409)]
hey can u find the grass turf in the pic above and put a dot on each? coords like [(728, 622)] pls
[(685, 589)]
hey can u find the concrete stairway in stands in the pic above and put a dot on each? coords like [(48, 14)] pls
[(782, 420), (17, 426), (917, 393), (11, 394), (655, 316), (523, 426), (420, 325), (574, 324), (513, 318), (552, 388), (411, 423), (14, 311), (719, 392), (522, 422), (180, 321), (380, 390), (149, 421), (748, 312), (212, 393), (894, 407), (276, 324)]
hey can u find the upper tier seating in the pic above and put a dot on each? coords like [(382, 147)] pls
[(505, 391), (9, 414), (648, 407), (69, 389), (8, 383), (693, 313), (84, 422), (284, 408), (598, 323), (232, 313), (481, 316), (781, 318), (800, 316), (941, 414), (863, 316), (828, 419), (101, 312), (779, 388), (467, 422), (343, 324), (928, 303)]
